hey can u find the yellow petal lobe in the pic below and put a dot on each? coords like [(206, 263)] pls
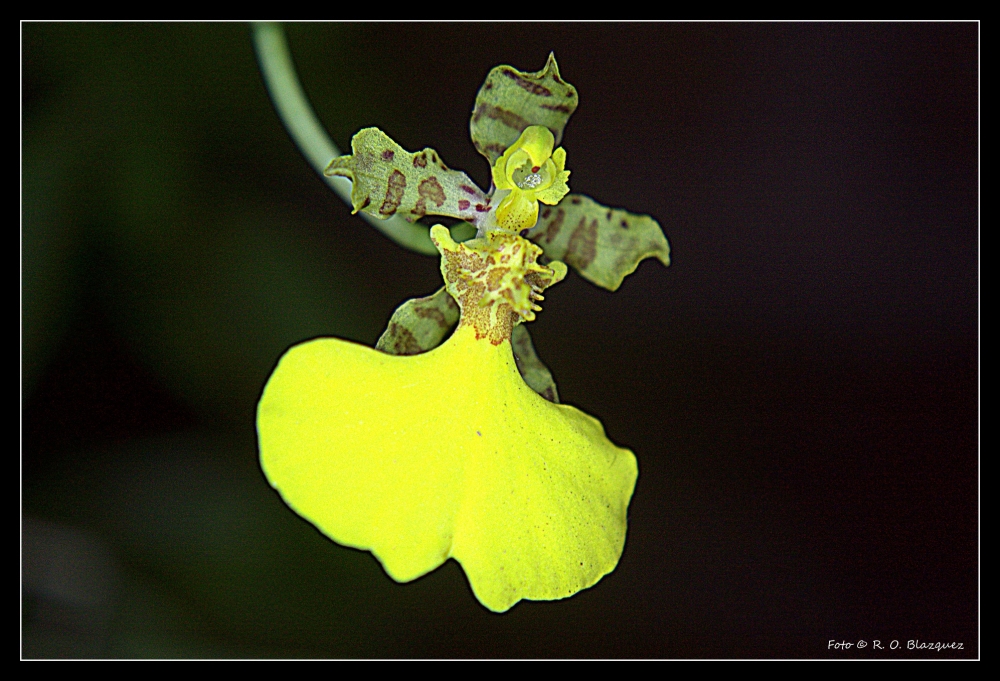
[(517, 211), (538, 141), (559, 159), (499, 171), (555, 192), (519, 160)]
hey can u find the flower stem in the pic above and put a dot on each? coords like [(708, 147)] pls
[(300, 120)]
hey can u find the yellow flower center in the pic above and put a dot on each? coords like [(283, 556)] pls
[(530, 177), (530, 171), (529, 181)]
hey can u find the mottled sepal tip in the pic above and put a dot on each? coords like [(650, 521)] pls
[(496, 280), (510, 100)]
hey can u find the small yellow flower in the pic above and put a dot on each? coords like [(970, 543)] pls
[(531, 172), (449, 454)]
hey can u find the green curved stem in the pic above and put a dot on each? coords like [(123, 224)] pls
[(300, 120)]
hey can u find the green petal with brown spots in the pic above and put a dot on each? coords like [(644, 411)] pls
[(603, 244), (388, 180), (509, 101), (419, 324), (535, 374)]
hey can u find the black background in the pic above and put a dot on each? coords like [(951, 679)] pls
[(800, 386)]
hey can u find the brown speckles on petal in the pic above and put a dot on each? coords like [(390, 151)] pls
[(496, 275), (436, 161), (551, 230), (463, 204), (535, 279), (603, 244), (510, 101), (419, 324), (582, 247), (387, 180), (403, 342), (496, 284), (529, 85), (393, 193), (429, 189), (508, 118), (432, 313)]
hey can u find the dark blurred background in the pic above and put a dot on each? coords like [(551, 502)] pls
[(800, 386)]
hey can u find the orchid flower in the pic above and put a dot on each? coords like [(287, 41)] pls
[(424, 449)]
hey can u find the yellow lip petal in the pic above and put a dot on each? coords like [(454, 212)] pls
[(446, 454)]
